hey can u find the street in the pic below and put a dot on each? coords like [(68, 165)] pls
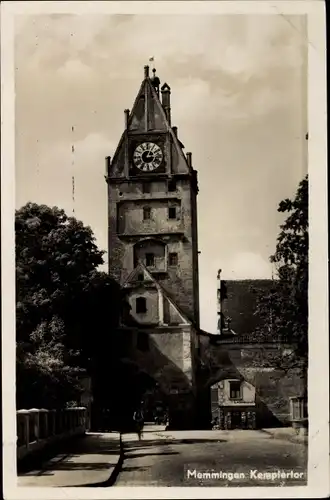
[(211, 458)]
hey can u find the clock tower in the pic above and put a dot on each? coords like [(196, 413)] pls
[(153, 253)]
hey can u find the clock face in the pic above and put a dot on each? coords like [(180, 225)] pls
[(147, 156)]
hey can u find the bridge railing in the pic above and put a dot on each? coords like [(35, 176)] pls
[(38, 427)]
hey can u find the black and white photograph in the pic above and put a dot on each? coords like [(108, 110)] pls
[(164, 250)]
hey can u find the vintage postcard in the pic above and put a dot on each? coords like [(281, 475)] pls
[(164, 251)]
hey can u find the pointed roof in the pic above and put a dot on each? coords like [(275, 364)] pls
[(134, 277), (141, 271), (165, 87), (147, 116)]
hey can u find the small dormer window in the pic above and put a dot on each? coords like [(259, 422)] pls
[(141, 305), (146, 213), (235, 391)]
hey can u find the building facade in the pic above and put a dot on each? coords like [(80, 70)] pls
[(153, 253), (233, 404), (249, 389)]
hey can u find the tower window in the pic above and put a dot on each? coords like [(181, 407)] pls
[(141, 305), (146, 213), (173, 259), (171, 186), (150, 259), (146, 187), (235, 390), (172, 212)]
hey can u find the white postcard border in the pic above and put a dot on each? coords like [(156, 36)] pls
[(318, 463)]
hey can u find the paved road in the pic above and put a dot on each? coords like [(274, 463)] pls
[(168, 458)]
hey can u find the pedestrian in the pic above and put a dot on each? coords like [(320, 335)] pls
[(139, 423)]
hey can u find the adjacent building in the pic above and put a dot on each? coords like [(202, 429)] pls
[(248, 389)]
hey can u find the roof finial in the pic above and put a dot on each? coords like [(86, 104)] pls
[(155, 80)]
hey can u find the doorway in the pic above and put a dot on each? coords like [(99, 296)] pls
[(236, 420)]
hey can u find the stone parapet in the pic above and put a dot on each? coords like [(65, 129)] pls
[(38, 428)]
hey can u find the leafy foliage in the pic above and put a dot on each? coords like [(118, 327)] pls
[(283, 312), (45, 374), (55, 255), (63, 305)]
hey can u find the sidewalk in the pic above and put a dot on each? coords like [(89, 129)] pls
[(93, 460), (288, 433)]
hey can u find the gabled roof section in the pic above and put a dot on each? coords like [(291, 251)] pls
[(147, 116), (166, 86), (174, 312), (141, 275)]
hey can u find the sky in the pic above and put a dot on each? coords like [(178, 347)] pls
[(238, 100)]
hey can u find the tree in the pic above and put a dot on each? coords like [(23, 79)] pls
[(64, 304), (55, 256), (45, 373), (283, 312)]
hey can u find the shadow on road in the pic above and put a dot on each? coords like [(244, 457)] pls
[(110, 481), (49, 470), (131, 445), (141, 455), (130, 469)]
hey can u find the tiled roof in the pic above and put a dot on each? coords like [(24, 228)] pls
[(240, 304)]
